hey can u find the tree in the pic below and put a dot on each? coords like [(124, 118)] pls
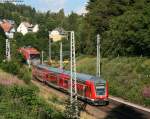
[(129, 33)]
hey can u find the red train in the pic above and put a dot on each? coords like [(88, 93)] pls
[(30, 54), (89, 88)]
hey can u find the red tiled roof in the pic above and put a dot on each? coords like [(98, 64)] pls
[(6, 26)]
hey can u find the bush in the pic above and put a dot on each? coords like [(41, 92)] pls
[(25, 75), (26, 94), (23, 102), (15, 68), (10, 67)]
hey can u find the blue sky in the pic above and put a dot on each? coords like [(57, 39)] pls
[(55, 5)]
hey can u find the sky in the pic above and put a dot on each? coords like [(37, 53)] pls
[(77, 6)]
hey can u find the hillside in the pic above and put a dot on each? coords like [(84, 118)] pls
[(21, 101), (129, 78)]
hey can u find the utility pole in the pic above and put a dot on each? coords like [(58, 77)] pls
[(50, 58), (98, 65), (73, 88), (61, 56), (42, 57), (8, 57), (29, 60)]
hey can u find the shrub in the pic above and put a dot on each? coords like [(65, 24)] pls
[(10, 67), (15, 68), (25, 75), (147, 102)]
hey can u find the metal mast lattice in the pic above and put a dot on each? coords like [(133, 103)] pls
[(73, 88), (8, 57)]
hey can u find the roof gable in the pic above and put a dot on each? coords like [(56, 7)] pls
[(6, 26)]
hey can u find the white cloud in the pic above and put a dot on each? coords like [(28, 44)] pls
[(53, 5), (81, 10)]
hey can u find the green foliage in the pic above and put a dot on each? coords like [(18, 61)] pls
[(25, 94), (11, 67), (18, 102), (25, 75), (18, 13), (129, 36), (123, 25), (15, 68)]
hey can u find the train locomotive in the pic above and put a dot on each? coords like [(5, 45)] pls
[(30, 55), (91, 89)]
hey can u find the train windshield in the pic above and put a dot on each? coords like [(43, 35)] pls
[(100, 89), (34, 56)]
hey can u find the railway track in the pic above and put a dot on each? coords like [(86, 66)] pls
[(115, 110)]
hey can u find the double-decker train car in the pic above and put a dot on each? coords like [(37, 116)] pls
[(30, 55), (92, 89)]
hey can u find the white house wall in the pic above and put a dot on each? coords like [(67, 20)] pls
[(36, 28), (22, 29)]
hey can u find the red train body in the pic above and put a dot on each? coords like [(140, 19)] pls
[(89, 88), (30, 54)]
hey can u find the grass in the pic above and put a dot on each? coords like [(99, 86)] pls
[(9, 79), (127, 76), (21, 101)]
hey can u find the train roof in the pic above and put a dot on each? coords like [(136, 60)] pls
[(80, 76), (56, 70), (29, 50)]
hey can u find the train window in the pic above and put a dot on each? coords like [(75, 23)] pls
[(34, 56), (100, 90)]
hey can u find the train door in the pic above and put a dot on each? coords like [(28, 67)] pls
[(53, 79), (66, 84), (88, 91), (81, 90), (61, 82)]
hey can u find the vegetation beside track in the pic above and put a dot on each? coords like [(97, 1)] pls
[(15, 68), (129, 78), (22, 101)]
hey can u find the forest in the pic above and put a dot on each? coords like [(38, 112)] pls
[(123, 26)]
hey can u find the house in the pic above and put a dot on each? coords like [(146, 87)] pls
[(8, 27), (26, 27), (57, 34)]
